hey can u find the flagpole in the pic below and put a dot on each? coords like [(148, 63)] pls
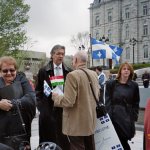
[(91, 48)]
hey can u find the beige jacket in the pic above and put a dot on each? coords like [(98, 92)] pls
[(79, 113)]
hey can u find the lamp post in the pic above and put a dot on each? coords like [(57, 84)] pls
[(103, 39), (133, 43)]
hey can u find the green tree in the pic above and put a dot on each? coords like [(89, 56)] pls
[(13, 16), (81, 40)]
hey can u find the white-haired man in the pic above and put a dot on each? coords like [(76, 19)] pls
[(79, 106)]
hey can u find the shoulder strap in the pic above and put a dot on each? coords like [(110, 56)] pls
[(20, 116), (90, 86)]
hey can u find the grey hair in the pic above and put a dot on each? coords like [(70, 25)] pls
[(55, 48), (82, 55)]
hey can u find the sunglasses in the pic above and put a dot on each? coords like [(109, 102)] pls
[(8, 70)]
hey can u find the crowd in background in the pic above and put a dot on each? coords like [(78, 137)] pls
[(62, 116)]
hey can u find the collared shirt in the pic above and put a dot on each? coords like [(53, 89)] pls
[(56, 69), (60, 69)]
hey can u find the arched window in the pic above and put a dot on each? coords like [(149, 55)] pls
[(109, 16), (97, 21), (145, 50), (145, 29), (128, 53), (127, 31), (127, 13), (109, 34), (97, 35), (145, 10)]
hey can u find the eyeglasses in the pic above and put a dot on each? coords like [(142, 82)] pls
[(8, 70)]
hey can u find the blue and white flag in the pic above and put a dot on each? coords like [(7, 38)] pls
[(47, 89), (101, 50)]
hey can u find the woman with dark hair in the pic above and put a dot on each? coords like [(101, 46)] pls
[(15, 94), (122, 103)]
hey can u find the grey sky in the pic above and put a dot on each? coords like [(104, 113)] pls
[(55, 21)]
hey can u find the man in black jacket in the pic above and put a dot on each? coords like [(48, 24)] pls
[(50, 118)]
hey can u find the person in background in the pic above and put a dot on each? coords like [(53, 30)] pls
[(102, 80), (79, 106), (29, 75), (145, 79), (110, 77), (122, 103), (26, 101), (134, 76), (50, 118)]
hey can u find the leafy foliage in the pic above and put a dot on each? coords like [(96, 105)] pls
[(13, 15), (135, 67)]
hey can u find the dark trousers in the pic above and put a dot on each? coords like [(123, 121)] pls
[(82, 142), (50, 128), (125, 143)]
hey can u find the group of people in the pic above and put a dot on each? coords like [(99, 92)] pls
[(69, 119)]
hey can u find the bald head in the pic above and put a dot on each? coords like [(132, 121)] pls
[(80, 58), (81, 55)]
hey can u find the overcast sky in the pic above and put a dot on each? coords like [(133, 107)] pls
[(55, 21)]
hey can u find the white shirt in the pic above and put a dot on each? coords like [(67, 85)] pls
[(60, 69)]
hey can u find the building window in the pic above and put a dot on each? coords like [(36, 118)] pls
[(127, 13), (109, 35), (145, 10), (97, 35), (128, 53), (97, 21), (145, 29), (145, 48), (127, 31), (109, 16)]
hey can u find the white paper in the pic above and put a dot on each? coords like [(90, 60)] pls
[(58, 90), (105, 135)]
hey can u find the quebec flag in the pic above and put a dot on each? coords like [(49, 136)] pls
[(101, 50)]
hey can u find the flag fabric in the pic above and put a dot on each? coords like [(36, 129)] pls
[(101, 50), (47, 89), (57, 80)]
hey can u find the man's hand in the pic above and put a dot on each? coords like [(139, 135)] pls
[(5, 105), (54, 95)]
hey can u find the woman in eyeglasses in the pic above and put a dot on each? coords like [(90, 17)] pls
[(15, 90)]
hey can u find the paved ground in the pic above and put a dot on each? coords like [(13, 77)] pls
[(136, 143)]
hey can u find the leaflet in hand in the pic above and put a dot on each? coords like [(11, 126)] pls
[(58, 90)]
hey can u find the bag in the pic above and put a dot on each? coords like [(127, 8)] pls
[(100, 110), (48, 146), (124, 122), (18, 142)]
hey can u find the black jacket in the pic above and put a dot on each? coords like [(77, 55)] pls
[(122, 104), (117, 93), (11, 121), (50, 119)]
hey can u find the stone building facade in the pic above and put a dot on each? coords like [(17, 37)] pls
[(35, 60), (120, 21)]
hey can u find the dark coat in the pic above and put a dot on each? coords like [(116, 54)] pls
[(50, 119), (126, 95), (27, 108)]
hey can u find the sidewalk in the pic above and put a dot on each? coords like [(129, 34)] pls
[(136, 143)]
